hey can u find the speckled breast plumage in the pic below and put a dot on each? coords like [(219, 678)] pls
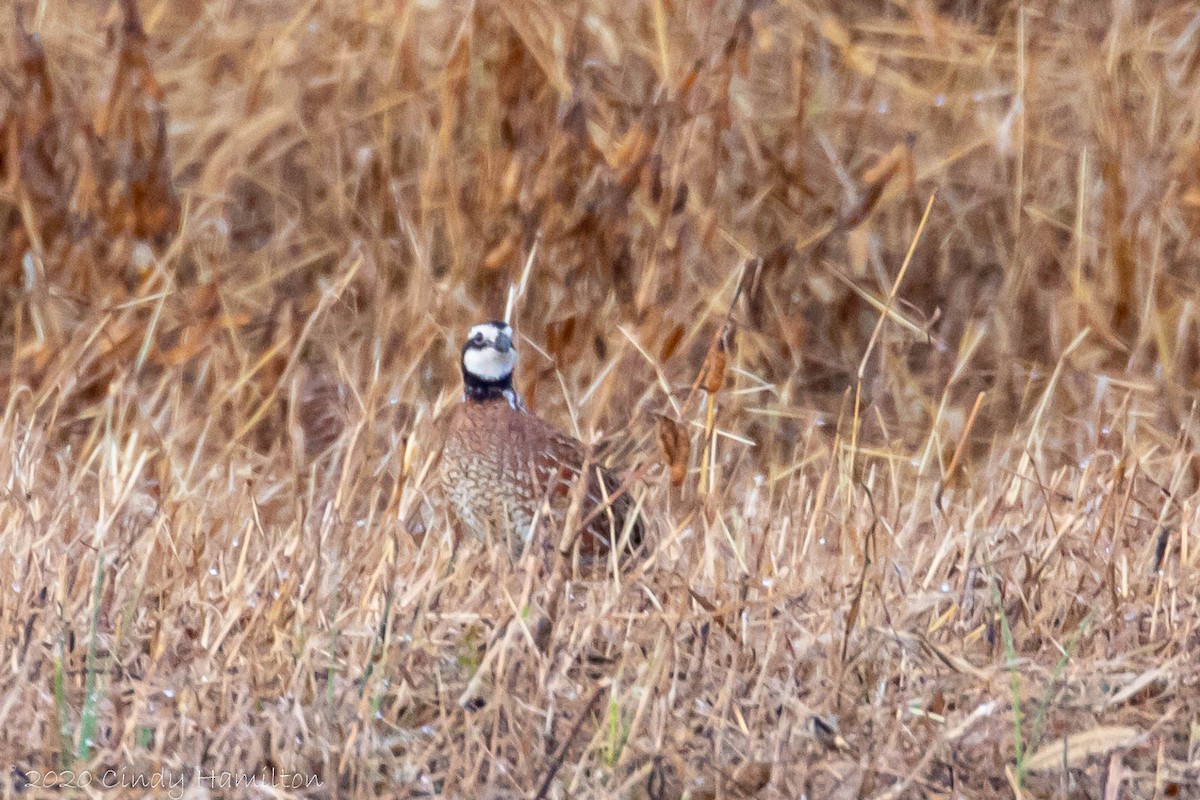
[(500, 464)]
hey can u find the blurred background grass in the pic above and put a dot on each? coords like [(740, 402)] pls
[(241, 242)]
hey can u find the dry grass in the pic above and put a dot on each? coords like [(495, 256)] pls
[(940, 513)]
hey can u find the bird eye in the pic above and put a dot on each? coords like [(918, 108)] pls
[(477, 338)]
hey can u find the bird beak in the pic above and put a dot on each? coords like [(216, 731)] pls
[(503, 343)]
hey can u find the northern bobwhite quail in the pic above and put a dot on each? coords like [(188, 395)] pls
[(500, 464)]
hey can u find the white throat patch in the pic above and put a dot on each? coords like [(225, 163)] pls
[(489, 364)]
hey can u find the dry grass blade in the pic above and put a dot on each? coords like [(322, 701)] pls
[(1074, 750), (556, 763), (958, 449)]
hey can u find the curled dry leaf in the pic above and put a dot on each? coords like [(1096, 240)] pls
[(717, 360), (676, 448), (501, 253), (201, 320), (876, 179), (681, 199), (714, 369), (631, 154), (670, 343), (685, 84), (745, 780), (559, 336)]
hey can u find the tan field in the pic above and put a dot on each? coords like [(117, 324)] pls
[(890, 311)]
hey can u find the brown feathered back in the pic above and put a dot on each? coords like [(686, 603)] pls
[(499, 464)]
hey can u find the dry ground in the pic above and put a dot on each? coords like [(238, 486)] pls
[(936, 530)]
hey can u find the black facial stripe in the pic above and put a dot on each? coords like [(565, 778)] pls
[(484, 346), (480, 388), (478, 339)]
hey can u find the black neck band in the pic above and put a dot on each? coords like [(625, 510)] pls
[(480, 389)]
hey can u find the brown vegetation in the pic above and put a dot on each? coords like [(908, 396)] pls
[(893, 306)]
